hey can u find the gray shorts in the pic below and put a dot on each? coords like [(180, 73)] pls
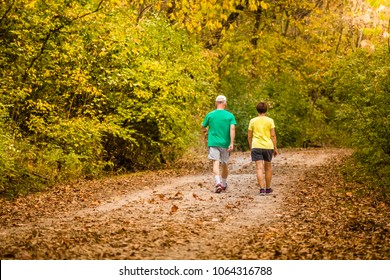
[(220, 154)]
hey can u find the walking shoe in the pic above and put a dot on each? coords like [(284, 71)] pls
[(224, 187), (268, 190), (218, 188), (262, 191)]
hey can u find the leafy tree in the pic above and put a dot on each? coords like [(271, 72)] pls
[(361, 86), (87, 86), (157, 82), (93, 85)]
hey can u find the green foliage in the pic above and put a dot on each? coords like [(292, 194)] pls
[(88, 85), (158, 80), (88, 88), (281, 59), (290, 110), (243, 94), (288, 107), (362, 88), (7, 153), (17, 175)]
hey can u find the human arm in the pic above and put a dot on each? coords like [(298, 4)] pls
[(232, 137), (250, 137), (205, 127), (274, 141), (204, 132)]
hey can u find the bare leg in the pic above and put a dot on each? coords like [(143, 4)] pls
[(225, 171), (216, 172), (259, 173), (268, 173), (216, 168)]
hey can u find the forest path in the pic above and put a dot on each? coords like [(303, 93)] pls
[(156, 215)]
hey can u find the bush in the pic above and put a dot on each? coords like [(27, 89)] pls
[(362, 88), (288, 107), (93, 90)]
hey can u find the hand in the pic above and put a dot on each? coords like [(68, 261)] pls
[(231, 147), (276, 152)]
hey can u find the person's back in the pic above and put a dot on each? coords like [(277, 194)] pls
[(261, 128), (219, 122), (220, 126), (262, 143)]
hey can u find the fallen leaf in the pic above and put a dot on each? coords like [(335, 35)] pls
[(174, 209)]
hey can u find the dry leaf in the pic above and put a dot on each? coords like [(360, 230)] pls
[(174, 209)]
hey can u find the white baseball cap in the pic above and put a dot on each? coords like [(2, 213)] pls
[(221, 98)]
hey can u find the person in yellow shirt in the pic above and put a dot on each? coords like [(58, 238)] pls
[(262, 143)]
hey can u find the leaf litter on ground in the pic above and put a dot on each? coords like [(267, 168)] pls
[(315, 214)]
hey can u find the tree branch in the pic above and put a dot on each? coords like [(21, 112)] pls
[(142, 10), (52, 32), (255, 38), (232, 18), (7, 11)]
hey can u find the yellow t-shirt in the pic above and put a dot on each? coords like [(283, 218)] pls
[(261, 128)]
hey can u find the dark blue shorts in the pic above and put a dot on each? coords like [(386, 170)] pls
[(261, 154)]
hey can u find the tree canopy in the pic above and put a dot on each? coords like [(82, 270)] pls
[(88, 86)]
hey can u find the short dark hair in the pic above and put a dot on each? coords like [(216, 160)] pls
[(262, 107)]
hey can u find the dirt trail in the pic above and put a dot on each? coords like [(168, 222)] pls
[(151, 216)]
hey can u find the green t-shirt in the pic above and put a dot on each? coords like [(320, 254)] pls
[(219, 122)]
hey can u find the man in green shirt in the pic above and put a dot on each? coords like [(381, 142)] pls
[(220, 125)]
